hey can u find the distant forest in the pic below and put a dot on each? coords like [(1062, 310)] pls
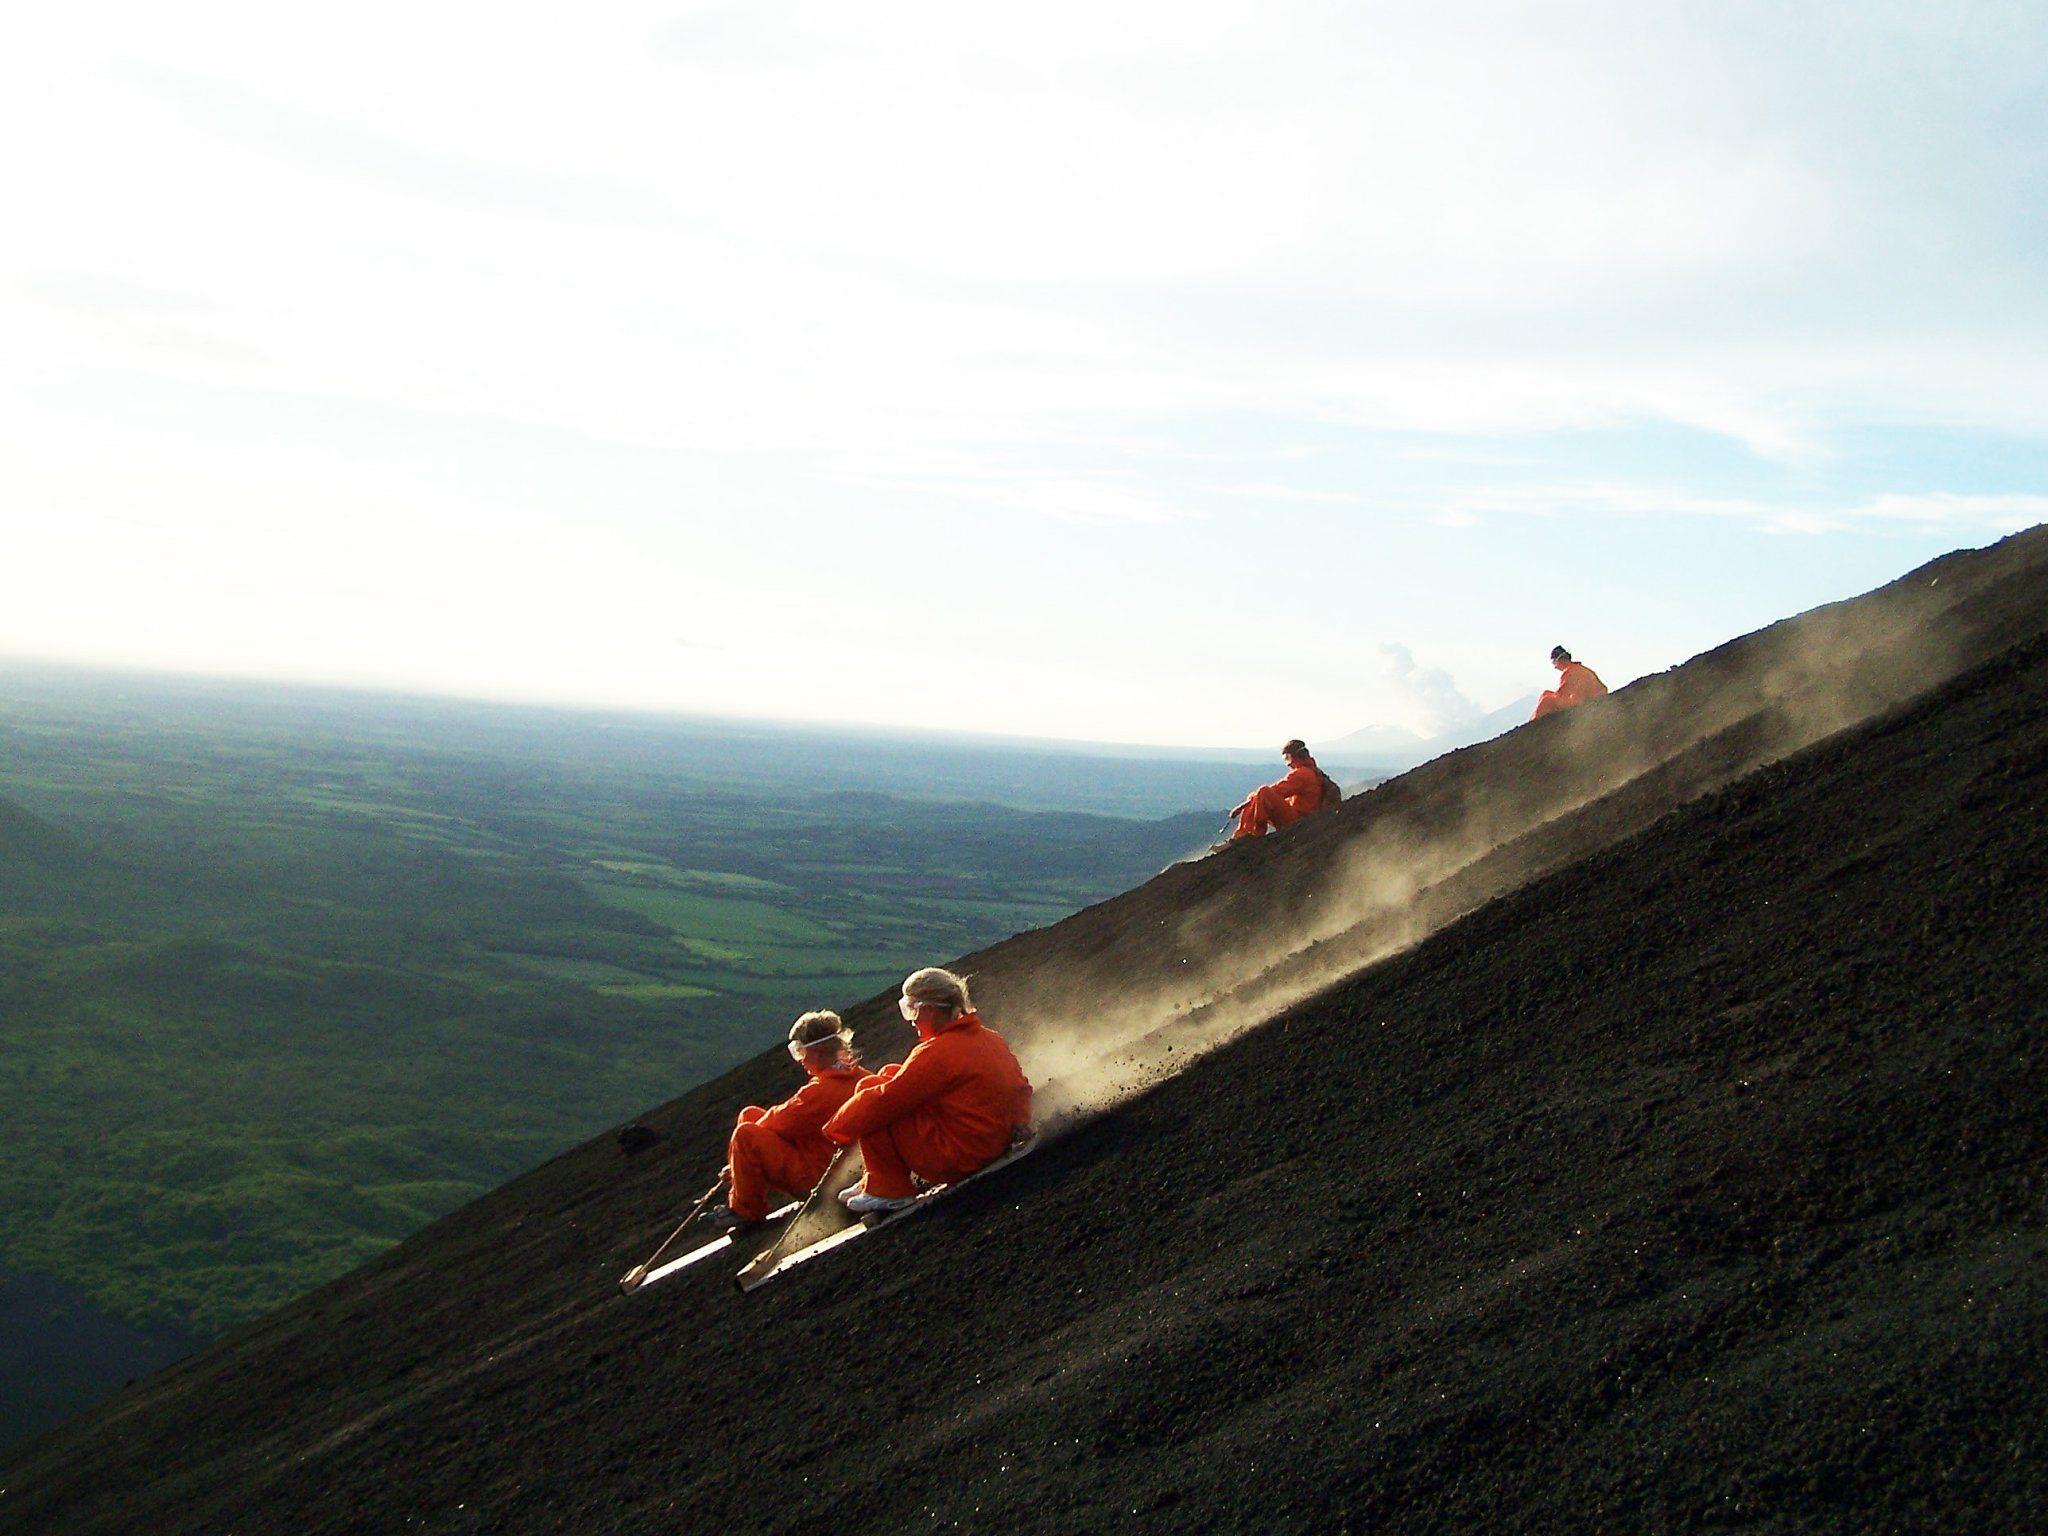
[(286, 974)]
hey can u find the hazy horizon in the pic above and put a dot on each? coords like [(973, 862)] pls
[(1171, 375), (253, 686)]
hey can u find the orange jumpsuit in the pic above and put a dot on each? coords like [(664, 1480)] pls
[(785, 1147), (1575, 684), (1283, 802), (946, 1110)]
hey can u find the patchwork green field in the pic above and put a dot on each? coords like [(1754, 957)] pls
[(284, 976)]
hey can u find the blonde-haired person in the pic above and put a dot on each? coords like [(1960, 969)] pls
[(784, 1148), (948, 1109)]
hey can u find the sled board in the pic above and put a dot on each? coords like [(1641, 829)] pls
[(868, 1224), (716, 1245)]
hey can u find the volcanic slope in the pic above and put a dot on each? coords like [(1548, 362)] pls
[(1696, 1179)]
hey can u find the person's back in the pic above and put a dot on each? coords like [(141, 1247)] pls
[(1576, 683), (979, 1092), (1302, 787), (800, 1118)]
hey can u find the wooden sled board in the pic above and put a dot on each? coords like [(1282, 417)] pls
[(868, 1224), (820, 1211), (716, 1245)]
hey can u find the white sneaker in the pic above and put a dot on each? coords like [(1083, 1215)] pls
[(861, 1203)]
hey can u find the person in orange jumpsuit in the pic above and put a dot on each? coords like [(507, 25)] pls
[(1576, 683), (951, 1107), (1284, 801), (784, 1148)]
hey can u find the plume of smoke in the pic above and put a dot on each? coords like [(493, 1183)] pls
[(1434, 704)]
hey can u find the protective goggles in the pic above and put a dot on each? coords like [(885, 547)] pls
[(799, 1049)]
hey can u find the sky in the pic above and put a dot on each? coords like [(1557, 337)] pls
[(1168, 373)]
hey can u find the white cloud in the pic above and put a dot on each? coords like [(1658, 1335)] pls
[(1942, 511), (1427, 699), (1947, 509), (822, 226), (965, 482)]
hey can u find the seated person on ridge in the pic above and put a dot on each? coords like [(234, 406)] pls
[(1575, 684), (784, 1148), (951, 1107), (1284, 801)]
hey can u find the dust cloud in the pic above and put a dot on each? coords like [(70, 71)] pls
[(1119, 997)]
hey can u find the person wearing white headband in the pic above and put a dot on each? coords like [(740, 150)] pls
[(784, 1148), (948, 1109)]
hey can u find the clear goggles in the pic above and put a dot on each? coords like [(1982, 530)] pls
[(799, 1049)]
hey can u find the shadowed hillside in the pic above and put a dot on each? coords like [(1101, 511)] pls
[(1679, 1162)]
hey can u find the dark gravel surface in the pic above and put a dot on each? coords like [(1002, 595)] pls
[(1696, 1181)]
